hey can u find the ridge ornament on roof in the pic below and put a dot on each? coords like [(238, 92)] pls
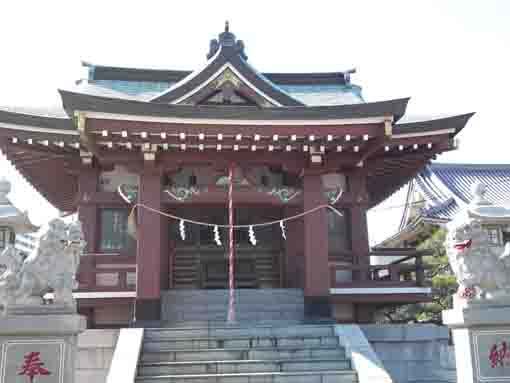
[(227, 79), (226, 38)]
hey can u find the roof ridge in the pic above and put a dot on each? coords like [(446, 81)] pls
[(265, 73), (466, 165), (23, 111)]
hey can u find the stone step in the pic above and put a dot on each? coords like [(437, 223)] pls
[(238, 292), (232, 342), (224, 323), (241, 317), (266, 278), (190, 301), (282, 353), (346, 376), (241, 366), (241, 331), (240, 307)]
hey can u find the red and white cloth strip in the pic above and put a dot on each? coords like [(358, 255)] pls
[(231, 299)]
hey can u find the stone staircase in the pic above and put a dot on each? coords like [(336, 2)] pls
[(268, 343), (211, 306), (279, 353)]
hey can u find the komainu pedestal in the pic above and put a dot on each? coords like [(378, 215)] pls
[(39, 348), (480, 318), (481, 333)]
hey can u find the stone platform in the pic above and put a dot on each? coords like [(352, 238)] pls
[(252, 305)]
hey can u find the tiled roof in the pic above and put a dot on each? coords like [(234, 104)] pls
[(314, 95), (311, 95), (444, 190), (447, 187), (134, 88), (51, 112)]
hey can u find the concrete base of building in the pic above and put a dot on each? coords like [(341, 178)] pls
[(317, 308), (147, 310)]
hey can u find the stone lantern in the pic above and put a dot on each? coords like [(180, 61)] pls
[(12, 220)]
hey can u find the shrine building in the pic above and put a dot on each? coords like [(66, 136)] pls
[(165, 140)]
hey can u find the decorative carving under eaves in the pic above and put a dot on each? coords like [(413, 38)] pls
[(284, 194), (227, 77), (181, 193), (129, 193), (333, 195)]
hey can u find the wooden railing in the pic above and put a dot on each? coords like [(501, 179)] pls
[(107, 272), (405, 271)]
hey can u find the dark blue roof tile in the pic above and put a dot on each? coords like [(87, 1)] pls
[(446, 188)]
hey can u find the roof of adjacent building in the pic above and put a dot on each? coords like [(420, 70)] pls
[(444, 189), (447, 187), (10, 216)]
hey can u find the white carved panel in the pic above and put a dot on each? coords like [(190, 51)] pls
[(107, 279), (131, 278), (110, 181)]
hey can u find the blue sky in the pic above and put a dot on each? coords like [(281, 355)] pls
[(448, 56)]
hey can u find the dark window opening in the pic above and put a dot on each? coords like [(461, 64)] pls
[(506, 237), (114, 231), (6, 237), (339, 231)]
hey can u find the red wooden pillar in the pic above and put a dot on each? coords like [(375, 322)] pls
[(359, 230), (316, 270), (88, 212), (149, 246), (294, 246), (358, 215)]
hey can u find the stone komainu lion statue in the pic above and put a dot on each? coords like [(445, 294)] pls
[(481, 267), (51, 267)]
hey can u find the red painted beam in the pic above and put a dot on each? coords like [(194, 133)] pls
[(24, 135), (136, 127)]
